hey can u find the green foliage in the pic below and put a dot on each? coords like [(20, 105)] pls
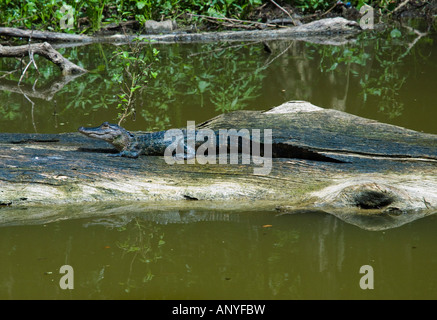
[(90, 15), (222, 79), (198, 81), (386, 85), (314, 5), (132, 74), (395, 33), (130, 83), (226, 8), (94, 11)]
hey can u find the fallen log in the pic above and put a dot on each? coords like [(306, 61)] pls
[(330, 28), (45, 50), (387, 175), (44, 35)]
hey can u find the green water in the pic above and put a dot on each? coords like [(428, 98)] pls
[(250, 256), (246, 255), (377, 77)]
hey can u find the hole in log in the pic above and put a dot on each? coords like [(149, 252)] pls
[(97, 150), (370, 199), (5, 204), (187, 197), (283, 150)]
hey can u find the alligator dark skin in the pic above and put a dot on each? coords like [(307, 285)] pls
[(154, 144), (128, 144)]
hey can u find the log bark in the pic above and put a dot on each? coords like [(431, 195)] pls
[(44, 35), (388, 176), (45, 50), (331, 29)]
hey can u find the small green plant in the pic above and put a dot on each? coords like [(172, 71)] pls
[(134, 74), (94, 11)]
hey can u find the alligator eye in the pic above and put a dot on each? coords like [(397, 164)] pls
[(105, 125)]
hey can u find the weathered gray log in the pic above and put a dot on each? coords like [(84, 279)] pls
[(45, 50), (331, 27), (44, 35), (388, 177)]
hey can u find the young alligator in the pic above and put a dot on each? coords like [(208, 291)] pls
[(128, 144), (155, 144)]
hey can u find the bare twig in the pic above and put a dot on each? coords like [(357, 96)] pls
[(45, 50), (33, 61), (277, 56), (24, 71), (31, 54), (223, 48), (322, 15), (31, 111), (34, 85), (234, 20), (286, 12), (427, 204), (400, 6), (329, 10), (412, 44), (7, 73), (232, 24)]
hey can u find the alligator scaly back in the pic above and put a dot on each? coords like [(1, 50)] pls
[(130, 145), (155, 144)]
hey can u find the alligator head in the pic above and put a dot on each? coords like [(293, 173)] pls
[(112, 133)]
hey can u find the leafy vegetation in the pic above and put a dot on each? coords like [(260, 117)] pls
[(132, 70), (130, 81), (202, 80), (157, 86), (381, 86), (91, 15)]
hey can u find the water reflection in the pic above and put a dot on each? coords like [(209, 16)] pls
[(222, 255), (380, 76), (241, 256)]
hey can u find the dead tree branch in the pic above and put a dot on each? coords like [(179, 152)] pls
[(283, 10), (43, 35), (45, 50), (253, 23)]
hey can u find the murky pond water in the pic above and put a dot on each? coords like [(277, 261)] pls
[(247, 255), (386, 77), (238, 256)]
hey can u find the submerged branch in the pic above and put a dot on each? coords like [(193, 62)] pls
[(46, 92)]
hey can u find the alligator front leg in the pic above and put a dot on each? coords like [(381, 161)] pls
[(188, 153)]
